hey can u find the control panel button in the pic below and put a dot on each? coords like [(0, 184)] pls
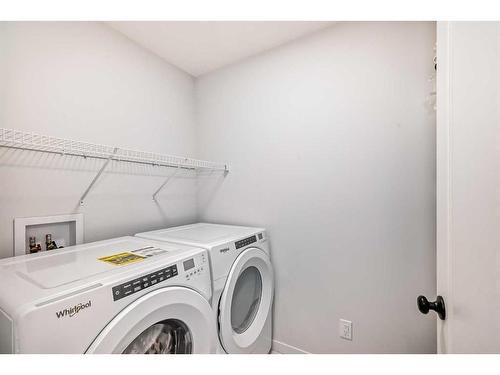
[(117, 292), (245, 242), (143, 282)]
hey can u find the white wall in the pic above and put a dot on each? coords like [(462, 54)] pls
[(332, 148), (85, 81)]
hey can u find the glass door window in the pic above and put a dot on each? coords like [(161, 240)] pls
[(170, 320), (246, 299), (166, 337)]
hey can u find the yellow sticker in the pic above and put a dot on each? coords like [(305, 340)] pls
[(122, 259)]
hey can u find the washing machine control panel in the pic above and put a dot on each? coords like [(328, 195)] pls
[(194, 267), (143, 282)]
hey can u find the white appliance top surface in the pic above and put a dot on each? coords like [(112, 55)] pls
[(58, 268), (201, 234)]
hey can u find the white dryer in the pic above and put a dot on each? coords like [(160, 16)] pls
[(242, 277), (125, 295)]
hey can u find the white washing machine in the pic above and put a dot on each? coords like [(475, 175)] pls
[(125, 295), (242, 277)]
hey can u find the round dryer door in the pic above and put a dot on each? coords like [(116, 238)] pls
[(245, 304), (173, 320)]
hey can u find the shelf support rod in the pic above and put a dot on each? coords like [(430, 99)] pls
[(82, 199), (165, 183)]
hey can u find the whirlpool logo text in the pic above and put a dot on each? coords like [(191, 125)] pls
[(72, 311)]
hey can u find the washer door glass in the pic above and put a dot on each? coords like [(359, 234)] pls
[(172, 319), (166, 337), (246, 299)]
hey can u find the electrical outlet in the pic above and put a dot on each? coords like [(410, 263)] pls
[(345, 329)]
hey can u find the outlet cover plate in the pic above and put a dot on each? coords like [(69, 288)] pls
[(345, 329)]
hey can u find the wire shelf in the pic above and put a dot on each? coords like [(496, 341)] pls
[(23, 140), (36, 142)]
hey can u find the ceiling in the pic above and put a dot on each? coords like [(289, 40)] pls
[(199, 47)]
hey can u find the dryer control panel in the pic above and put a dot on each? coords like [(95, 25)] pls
[(143, 282), (245, 242)]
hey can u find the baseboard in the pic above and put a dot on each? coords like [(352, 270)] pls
[(282, 348)]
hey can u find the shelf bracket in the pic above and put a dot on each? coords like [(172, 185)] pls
[(82, 199), (164, 184)]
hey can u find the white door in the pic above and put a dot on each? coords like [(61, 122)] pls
[(468, 186), (245, 304), (172, 320)]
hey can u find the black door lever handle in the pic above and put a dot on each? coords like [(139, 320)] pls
[(438, 306)]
